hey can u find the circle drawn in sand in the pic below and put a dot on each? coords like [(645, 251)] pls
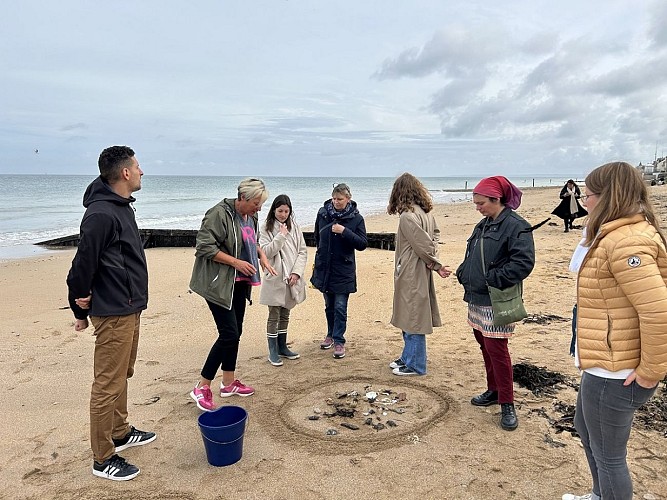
[(388, 421)]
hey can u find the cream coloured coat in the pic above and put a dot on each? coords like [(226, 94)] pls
[(415, 306), (622, 300), (287, 255)]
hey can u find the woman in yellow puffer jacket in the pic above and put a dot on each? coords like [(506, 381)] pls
[(621, 324)]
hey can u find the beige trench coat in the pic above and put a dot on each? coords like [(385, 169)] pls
[(287, 255), (415, 305)]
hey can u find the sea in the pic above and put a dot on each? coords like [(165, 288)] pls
[(42, 207)]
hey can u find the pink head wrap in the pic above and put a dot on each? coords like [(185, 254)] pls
[(499, 187)]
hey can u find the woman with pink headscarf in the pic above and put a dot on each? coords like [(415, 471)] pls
[(509, 257)]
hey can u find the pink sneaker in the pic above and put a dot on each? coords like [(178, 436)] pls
[(203, 397), (236, 388), (339, 351), (327, 343)]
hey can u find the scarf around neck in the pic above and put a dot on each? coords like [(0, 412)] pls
[(331, 211)]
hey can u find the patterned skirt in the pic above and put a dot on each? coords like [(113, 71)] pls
[(481, 318)]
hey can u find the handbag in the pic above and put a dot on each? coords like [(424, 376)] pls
[(507, 304)]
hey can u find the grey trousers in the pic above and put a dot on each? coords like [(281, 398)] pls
[(603, 418)]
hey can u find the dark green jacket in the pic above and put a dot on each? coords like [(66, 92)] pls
[(220, 231)]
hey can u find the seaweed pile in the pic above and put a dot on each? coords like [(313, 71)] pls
[(653, 415), (540, 381)]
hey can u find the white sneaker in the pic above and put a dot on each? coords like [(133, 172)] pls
[(570, 496)]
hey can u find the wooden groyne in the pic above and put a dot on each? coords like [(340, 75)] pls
[(166, 238)]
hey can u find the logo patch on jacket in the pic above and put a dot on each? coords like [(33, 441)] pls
[(634, 261)]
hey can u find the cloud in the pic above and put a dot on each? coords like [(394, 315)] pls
[(656, 31)]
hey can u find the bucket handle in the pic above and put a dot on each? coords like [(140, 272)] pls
[(223, 442)]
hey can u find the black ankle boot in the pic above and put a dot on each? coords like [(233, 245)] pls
[(487, 398), (508, 420)]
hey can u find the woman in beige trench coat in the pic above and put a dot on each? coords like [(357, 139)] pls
[(415, 308)]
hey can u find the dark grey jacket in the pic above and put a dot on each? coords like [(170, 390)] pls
[(509, 255), (110, 262)]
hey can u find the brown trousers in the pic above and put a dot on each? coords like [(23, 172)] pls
[(116, 341)]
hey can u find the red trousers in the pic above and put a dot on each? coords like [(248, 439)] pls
[(498, 365)]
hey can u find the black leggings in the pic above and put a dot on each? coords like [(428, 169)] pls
[(229, 322)]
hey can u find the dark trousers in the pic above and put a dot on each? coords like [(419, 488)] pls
[(229, 322), (498, 365), (573, 341)]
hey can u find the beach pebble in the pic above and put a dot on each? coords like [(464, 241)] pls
[(391, 423), (650, 496), (350, 426), (331, 432), (314, 417), (368, 421), (371, 396), (378, 427), (317, 411)]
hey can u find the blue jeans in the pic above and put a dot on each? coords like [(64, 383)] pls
[(335, 309), (414, 352), (603, 418)]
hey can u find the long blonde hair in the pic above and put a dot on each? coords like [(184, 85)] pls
[(621, 192)]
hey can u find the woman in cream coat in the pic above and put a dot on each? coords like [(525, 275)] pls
[(281, 239), (415, 309), (621, 343)]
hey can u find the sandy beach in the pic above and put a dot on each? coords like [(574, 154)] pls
[(441, 446)]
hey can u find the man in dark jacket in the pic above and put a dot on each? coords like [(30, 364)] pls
[(109, 281)]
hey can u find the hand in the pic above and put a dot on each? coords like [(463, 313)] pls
[(293, 278), (84, 302), (263, 261), (80, 324), (244, 267), (337, 228), (282, 228), (444, 272), (645, 383)]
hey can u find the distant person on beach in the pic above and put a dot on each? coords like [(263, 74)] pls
[(108, 280), (227, 264), (339, 231), (621, 336), (415, 308), (282, 241), (569, 208), (509, 257)]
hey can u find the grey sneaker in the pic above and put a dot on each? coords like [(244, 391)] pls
[(327, 343), (570, 496)]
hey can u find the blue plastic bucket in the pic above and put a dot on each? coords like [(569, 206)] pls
[(222, 431)]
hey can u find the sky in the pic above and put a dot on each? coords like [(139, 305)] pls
[(333, 88)]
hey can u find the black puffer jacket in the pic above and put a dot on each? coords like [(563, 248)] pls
[(509, 255), (335, 267), (110, 262)]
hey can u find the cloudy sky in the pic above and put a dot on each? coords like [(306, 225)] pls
[(363, 87)]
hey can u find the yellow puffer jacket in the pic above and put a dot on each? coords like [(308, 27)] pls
[(622, 300)]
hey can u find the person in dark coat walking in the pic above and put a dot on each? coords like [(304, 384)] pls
[(339, 231), (569, 207)]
